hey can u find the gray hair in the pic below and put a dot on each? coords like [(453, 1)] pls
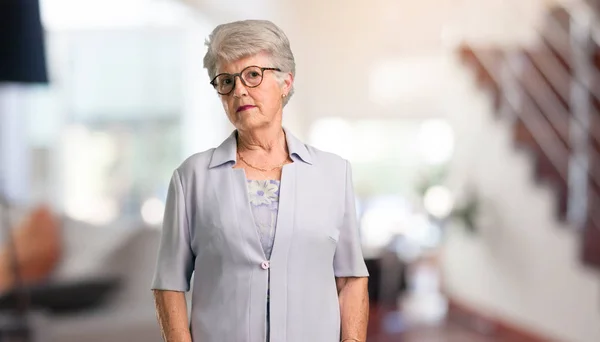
[(232, 41)]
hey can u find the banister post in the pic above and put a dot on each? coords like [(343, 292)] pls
[(579, 125)]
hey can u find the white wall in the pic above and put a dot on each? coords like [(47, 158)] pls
[(523, 266)]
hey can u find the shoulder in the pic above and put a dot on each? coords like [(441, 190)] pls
[(194, 164), (327, 160), (316, 157)]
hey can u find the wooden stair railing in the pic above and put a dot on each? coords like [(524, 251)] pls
[(551, 93)]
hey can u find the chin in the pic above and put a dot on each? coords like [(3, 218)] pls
[(251, 124), (245, 123)]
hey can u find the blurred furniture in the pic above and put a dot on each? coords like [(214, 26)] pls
[(15, 329), (22, 55), (31, 248), (113, 267), (92, 256), (62, 296), (127, 252), (29, 252), (22, 60), (387, 280), (392, 277)]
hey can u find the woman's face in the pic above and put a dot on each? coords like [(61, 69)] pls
[(249, 108)]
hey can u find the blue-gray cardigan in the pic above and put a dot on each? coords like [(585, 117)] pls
[(208, 229)]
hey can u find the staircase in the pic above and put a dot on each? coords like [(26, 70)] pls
[(550, 94)]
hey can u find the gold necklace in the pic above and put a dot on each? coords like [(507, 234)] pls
[(261, 169)]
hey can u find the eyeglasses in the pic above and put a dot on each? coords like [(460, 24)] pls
[(251, 77)]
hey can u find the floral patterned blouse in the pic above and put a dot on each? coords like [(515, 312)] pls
[(264, 201)]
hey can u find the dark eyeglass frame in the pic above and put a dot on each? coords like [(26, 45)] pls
[(239, 74)]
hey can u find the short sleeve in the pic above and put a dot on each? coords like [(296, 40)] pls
[(348, 260), (175, 261)]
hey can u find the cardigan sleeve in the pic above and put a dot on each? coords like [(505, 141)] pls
[(348, 260), (175, 261)]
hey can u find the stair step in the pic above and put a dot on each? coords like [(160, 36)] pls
[(545, 84)]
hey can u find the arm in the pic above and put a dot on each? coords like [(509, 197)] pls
[(171, 311), (351, 274), (175, 264), (354, 307)]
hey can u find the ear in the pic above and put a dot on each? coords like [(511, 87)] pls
[(287, 83)]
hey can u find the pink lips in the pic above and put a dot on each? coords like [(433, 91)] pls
[(243, 108)]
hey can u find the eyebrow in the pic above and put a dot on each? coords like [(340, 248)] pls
[(223, 72)]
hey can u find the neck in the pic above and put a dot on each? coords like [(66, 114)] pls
[(264, 139)]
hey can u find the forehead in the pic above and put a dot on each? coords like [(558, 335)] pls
[(260, 60)]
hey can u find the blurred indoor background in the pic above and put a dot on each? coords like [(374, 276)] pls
[(473, 128)]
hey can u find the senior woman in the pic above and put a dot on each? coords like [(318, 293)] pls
[(266, 223)]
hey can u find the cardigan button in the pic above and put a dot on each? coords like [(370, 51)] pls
[(265, 265)]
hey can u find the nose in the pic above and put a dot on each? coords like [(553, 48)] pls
[(239, 89)]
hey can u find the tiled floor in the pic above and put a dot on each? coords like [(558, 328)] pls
[(421, 317), (423, 333)]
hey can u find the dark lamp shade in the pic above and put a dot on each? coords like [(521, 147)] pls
[(22, 53)]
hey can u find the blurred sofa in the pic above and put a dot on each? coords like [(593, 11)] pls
[(127, 251)]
